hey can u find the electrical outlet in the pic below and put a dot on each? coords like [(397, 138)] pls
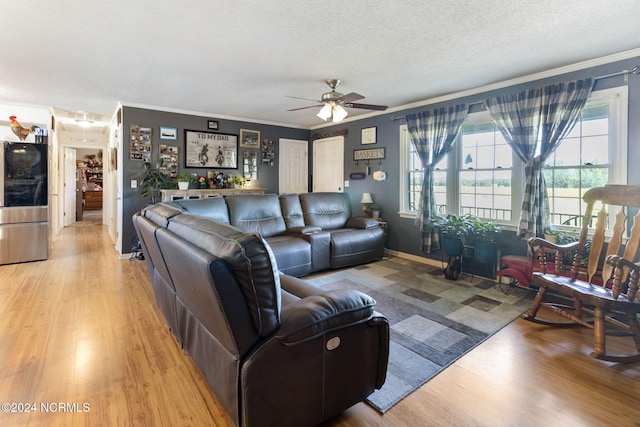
[(346, 184), (134, 183)]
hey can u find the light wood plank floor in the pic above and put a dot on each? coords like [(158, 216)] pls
[(80, 336)]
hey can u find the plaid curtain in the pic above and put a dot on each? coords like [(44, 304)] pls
[(432, 134), (548, 115)]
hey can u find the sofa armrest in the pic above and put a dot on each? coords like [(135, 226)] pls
[(362, 222), (318, 314), (305, 229)]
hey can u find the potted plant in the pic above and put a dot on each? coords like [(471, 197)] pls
[(371, 210), (183, 180), (455, 230), (485, 233), (238, 181), (153, 181)]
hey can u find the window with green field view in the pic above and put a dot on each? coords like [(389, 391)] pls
[(482, 176), (581, 162), (485, 172)]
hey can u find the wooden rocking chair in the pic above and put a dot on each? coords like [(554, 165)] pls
[(590, 295)]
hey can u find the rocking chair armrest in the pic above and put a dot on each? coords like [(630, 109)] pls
[(616, 261), (538, 241)]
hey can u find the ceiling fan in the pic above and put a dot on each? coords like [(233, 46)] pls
[(335, 102)]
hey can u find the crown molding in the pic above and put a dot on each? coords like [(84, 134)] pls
[(500, 85)]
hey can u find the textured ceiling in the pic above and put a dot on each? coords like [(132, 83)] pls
[(241, 58)]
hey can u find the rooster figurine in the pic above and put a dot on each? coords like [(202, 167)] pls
[(20, 131)]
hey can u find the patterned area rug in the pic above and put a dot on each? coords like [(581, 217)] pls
[(433, 321)]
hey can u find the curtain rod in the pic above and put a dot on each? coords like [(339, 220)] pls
[(632, 70)]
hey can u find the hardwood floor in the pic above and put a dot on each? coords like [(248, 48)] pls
[(80, 336)]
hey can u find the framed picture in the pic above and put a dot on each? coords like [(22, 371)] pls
[(268, 152), (250, 165), (169, 156), (210, 150), (140, 139), (168, 133), (249, 138), (212, 124), (368, 135)]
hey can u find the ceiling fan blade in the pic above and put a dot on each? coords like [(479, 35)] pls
[(303, 108), (306, 99), (350, 97), (366, 106)]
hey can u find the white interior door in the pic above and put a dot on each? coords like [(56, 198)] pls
[(328, 164), (69, 186), (293, 167)]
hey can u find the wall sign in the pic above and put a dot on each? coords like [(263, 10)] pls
[(369, 154), (208, 149)]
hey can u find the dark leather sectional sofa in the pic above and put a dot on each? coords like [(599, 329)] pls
[(274, 349), (307, 232)]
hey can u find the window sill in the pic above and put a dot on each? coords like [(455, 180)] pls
[(410, 215)]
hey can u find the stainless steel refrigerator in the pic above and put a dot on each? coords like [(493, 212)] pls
[(24, 227)]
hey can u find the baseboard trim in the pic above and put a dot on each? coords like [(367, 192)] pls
[(416, 258)]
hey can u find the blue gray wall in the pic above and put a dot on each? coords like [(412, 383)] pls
[(132, 169), (403, 235)]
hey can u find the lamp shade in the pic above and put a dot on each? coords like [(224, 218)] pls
[(366, 198), (333, 111), (339, 113), (325, 112)]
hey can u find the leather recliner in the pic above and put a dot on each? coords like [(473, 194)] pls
[(354, 240), (274, 349)]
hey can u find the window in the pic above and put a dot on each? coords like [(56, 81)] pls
[(483, 177), (411, 179), (485, 172), (581, 162)]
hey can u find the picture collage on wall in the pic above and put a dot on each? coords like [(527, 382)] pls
[(169, 156), (203, 149), (268, 152), (140, 143)]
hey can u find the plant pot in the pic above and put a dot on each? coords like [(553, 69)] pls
[(183, 185), (485, 251), (375, 214), (551, 238), (453, 246)]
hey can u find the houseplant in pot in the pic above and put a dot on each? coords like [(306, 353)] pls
[(484, 235), (154, 179), (455, 230), (183, 180), (238, 181)]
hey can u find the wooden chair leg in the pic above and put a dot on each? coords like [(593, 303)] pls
[(531, 314), (634, 327), (599, 335), (599, 344), (539, 301)]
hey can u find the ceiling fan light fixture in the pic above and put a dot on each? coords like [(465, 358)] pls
[(325, 112), (339, 113), (84, 123)]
